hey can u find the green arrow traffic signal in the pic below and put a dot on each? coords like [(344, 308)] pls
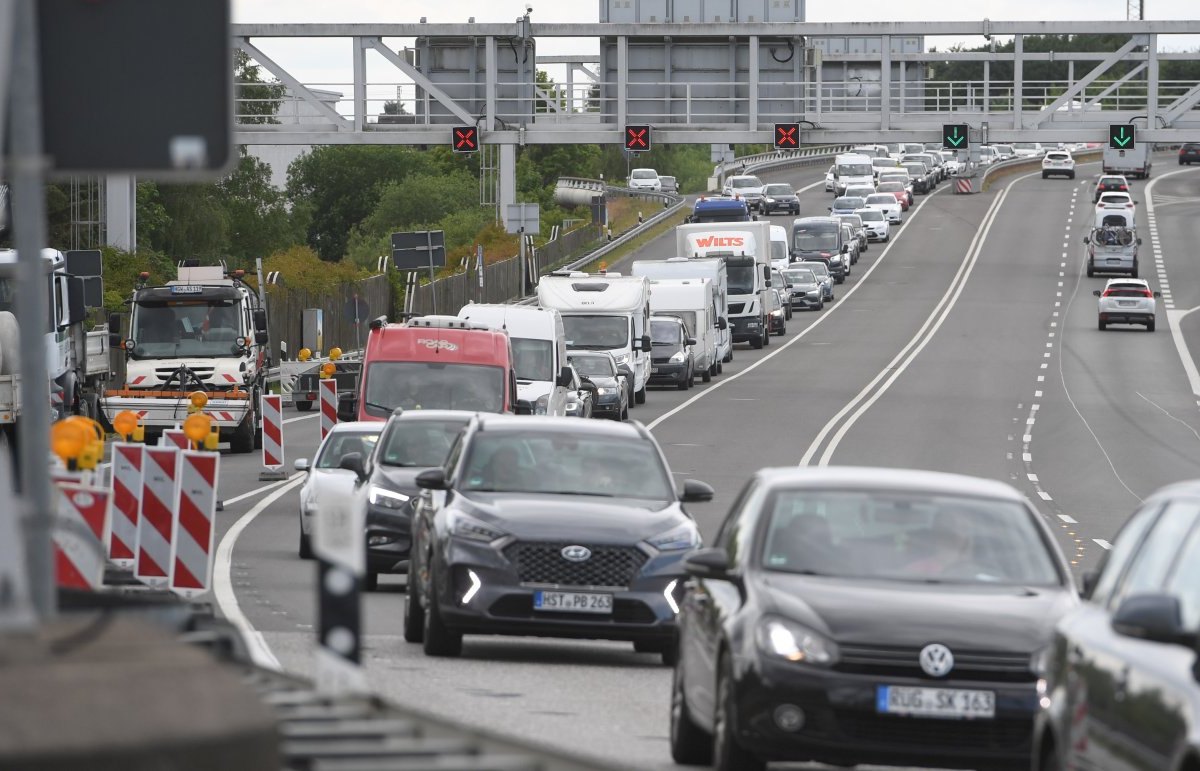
[(1121, 136), (954, 135)]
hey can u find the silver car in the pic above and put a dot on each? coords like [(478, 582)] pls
[(846, 205), (856, 227), (821, 271), (326, 481), (806, 290), (1127, 301)]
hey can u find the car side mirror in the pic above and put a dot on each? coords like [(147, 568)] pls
[(722, 323), (260, 321), (1153, 617), (845, 248), (646, 344), (301, 464), (1087, 240), (707, 563), (564, 377), (829, 208), (1096, 292), (525, 407), (695, 491), (353, 461), (432, 479), (769, 283), (1158, 294), (690, 341), (588, 386)]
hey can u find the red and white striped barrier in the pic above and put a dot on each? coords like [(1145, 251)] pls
[(272, 436), (962, 185), (329, 405), (80, 535), (127, 503), (174, 437), (160, 498), (192, 565)]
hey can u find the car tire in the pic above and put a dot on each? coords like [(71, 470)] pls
[(1134, 272), (766, 338), (685, 382), (1045, 175), (439, 640), (821, 305), (305, 550), (1091, 269), (691, 745), (756, 343), (728, 755), (624, 414), (242, 440), (303, 406), (707, 374), (370, 581), (1102, 325), (887, 238), (414, 614), (1071, 175), (640, 396), (1150, 325), (788, 313)]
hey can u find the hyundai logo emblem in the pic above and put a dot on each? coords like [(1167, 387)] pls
[(576, 553), (936, 660)]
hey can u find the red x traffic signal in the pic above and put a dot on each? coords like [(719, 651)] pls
[(465, 139), (637, 139), (787, 136)]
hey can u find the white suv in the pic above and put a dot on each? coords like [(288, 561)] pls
[(1058, 162), (645, 179), (747, 186), (1127, 301)]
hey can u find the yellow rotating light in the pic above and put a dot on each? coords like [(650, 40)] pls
[(67, 440), (335, 353), (199, 399), (303, 354), (125, 423), (327, 369), (197, 427)]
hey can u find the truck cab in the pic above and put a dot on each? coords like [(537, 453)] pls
[(745, 248), (539, 346), (436, 363)]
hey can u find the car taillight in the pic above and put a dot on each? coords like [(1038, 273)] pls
[(1147, 293)]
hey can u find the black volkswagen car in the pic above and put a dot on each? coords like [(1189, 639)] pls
[(550, 527), (411, 442), (612, 394), (779, 196), (1123, 675), (853, 616)]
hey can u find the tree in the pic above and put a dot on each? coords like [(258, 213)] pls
[(152, 217), (259, 223), (394, 112), (257, 101)]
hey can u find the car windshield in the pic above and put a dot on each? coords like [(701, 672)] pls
[(644, 174), (889, 200), (853, 220), (915, 168), (567, 464), (598, 332), (687, 317), (418, 442), (848, 202), (815, 238), (801, 276), (855, 170), (170, 330), (779, 250), (663, 332), (891, 187), (778, 190), (905, 536), (432, 386), (818, 268), (533, 359), (593, 366), (740, 182), (342, 443), (740, 274), (872, 215), (883, 163)]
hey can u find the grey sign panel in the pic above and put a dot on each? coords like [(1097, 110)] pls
[(137, 86), (520, 217), (416, 259), (84, 262), (418, 239)]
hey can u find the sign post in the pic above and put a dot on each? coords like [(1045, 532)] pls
[(419, 249), (341, 564), (522, 218)]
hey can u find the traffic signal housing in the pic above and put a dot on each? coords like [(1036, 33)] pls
[(637, 138), (954, 136), (787, 136), (465, 139), (1121, 136)]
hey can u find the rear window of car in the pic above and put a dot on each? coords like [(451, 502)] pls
[(1057, 156), (745, 182), (644, 174), (877, 198)]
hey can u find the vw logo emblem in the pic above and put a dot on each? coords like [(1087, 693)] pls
[(936, 660), (576, 553)]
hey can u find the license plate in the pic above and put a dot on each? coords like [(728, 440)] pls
[(572, 602), (654, 370), (949, 703), (1127, 303)]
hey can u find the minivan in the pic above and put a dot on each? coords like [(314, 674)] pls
[(821, 239)]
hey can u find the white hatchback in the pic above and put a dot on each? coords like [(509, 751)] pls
[(886, 203), (1058, 162), (1115, 203), (645, 179), (875, 223), (1127, 301), (326, 481)]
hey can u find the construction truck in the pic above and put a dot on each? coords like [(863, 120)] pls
[(77, 353), (205, 331)]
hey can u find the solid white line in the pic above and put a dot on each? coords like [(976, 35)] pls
[(1173, 317), (302, 417), (261, 490), (1102, 543), (1068, 519), (223, 582), (824, 315)]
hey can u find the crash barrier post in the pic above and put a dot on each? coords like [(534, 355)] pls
[(341, 563), (272, 438), (329, 405), (127, 503), (160, 497), (192, 561), (962, 185), (80, 532)]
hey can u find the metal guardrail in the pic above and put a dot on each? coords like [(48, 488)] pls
[(781, 159), (1017, 162), (673, 203)]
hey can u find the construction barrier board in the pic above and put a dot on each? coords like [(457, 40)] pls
[(329, 404), (160, 502), (80, 532), (192, 564), (127, 503)]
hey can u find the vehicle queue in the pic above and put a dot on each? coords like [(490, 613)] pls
[(841, 615)]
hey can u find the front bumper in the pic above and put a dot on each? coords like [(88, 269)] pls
[(611, 408), (876, 235), (666, 372), (391, 557), (745, 329), (812, 299), (784, 206), (226, 414), (843, 726)]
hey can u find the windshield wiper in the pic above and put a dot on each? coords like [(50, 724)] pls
[(378, 406)]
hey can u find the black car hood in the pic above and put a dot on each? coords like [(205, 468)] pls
[(402, 479), (573, 517), (601, 381), (978, 617)]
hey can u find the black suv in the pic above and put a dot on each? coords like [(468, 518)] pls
[(1189, 153)]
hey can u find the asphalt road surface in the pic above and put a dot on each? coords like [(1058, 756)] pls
[(968, 344)]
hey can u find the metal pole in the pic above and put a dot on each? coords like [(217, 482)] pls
[(429, 255), (521, 235), (29, 228)]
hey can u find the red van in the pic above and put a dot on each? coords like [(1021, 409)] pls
[(436, 363)]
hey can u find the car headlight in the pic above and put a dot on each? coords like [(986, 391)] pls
[(1039, 662), (466, 526), (678, 357), (835, 259), (621, 358), (542, 404), (777, 312), (684, 536), (388, 499), (788, 640), (768, 199), (606, 391)]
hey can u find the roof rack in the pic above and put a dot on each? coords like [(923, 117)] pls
[(445, 322)]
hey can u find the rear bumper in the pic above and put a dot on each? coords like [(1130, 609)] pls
[(745, 328), (166, 413), (1126, 317)]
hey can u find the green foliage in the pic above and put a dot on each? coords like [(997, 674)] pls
[(301, 267), (259, 222), (197, 223), (121, 270), (58, 214), (152, 217), (256, 101)]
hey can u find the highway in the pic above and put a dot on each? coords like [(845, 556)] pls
[(967, 344)]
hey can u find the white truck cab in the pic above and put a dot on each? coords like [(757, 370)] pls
[(539, 347), (851, 169), (745, 248)]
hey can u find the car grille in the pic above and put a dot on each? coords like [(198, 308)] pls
[(543, 563), (204, 374), (625, 611), (735, 308), (1006, 734), (984, 666)]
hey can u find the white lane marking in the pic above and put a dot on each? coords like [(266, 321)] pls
[(1174, 317), (914, 346), (824, 315), (223, 582), (1068, 519), (1026, 457), (302, 417), (1032, 477), (1185, 424), (1045, 496), (261, 490), (1102, 543)]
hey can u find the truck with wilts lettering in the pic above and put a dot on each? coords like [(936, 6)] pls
[(746, 249)]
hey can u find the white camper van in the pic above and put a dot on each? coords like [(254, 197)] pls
[(605, 313), (715, 272), (694, 302), (539, 348)]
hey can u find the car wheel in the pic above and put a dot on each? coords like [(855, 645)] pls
[(305, 546), (685, 382), (757, 343), (303, 406), (1071, 175), (728, 755), (370, 581), (414, 615), (840, 280), (1045, 175), (707, 374), (821, 305), (1102, 325), (766, 338), (1048, 759), (788, 314), (887, 238), (1150, 325), (1091, 269), (439, 639)]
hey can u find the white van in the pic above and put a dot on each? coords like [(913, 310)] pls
[(539, 349), (694, 302), (716, 273), (779, 247), (605, 313), (852, 169)]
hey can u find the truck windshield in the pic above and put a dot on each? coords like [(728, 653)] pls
[(601, 333), (533, 359), (779, 250), (185, 329), (8, 295), (815, 239), (432, 386), (723, 215), (855, 170), (741, 274)]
